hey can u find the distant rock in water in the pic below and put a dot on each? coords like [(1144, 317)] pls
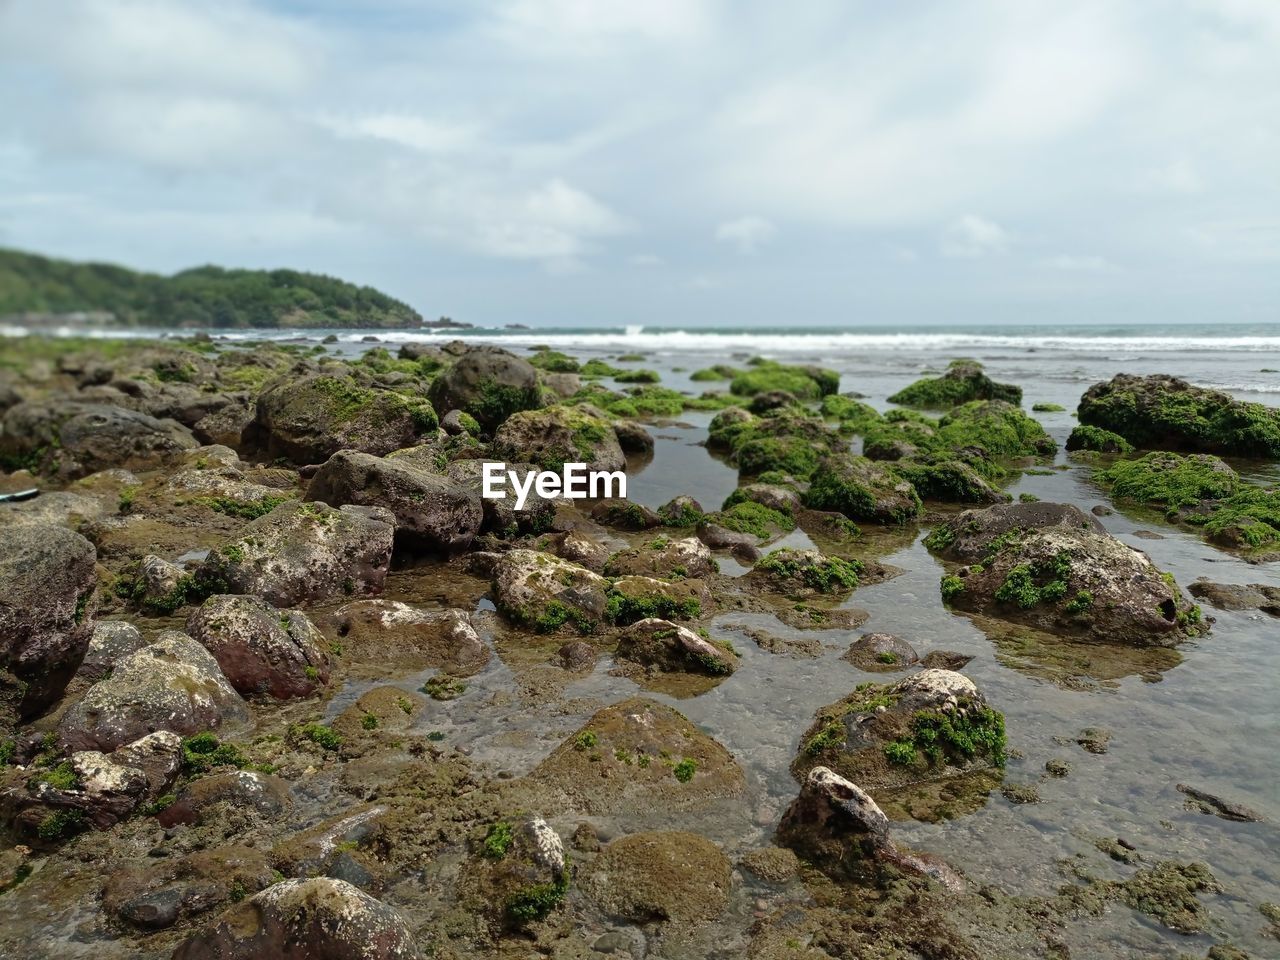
[(1161, 412), (964, 381)]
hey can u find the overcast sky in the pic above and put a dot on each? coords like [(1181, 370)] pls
[(585, 162)]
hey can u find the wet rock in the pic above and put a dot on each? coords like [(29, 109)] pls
[(663, 557), (1226, 809), (315, 919), (805, 573), (1069, 580), (1101, 510), (577, 656), (632, 437), (635, 598), (968, 537), (880, 652), (1094, 739), (156, 581), (963, 382), (454, 424), (1056, 767), (172, 684), (945, 660), (577, 547), (563, 384), (1237, 596), (557, 435), (312, 850), (545, 593), (661, 876), (158, 755), (772, 864), (76, 439), (430, 510), (681, 511), (157, 895), (1148, 535), (949, 481), (637, 759), (742, 545), (488, 383), (306, 552), (862, 489), (1020, 793), (773, 496), (772, 400), (261, 650), (625, 515), (388, 634), (226, 425), (47, 580), (669, 647), (236, 789), (382, 710), (310, 418), (1165, 413), (520, 875), (932, 726), (500, 515)]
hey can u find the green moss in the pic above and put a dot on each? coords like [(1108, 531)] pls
[(61, 777), (830, 735), (952, 586), (637, 376), (441, 687), (901, 752), (60, 824), (244, 509), (1085, 437), (1000, 428), (887, 657), (369, 722), (1047, 408), (1026, 585), (318, 734), (622, 609), (949, 481), (717, 372), (748, 516), (825, 574), (685, 769), (586, 740), (940, 538), (595, 369), (160, 804), (961, 735), (963, 382), (861, 490), (553, 361), (536, 901), (1081, 602), (494, 402), (806, 383), (203, 751), (498, 840), (1171, 480), (792, 455)]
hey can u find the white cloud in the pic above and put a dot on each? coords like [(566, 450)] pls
[(971, 237), (1079, 264), (748, 233)]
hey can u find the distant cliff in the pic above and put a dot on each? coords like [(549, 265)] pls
[(39, 289)]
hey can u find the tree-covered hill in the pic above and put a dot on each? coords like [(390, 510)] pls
[(201, 297)]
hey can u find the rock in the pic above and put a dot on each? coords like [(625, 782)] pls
[(393, 710), (239, 789), (563, 384), (836, 825), (311, 851), (660, 876), (456, 423), (316, 919), (931, 726), (1097, 440), (1165, 413), (430, 510), (773, 496), (157, 583), (880, 652), (47, 580), (382, 635), (1069, 580), (805, 573), (420, 350), (963, 382), (544, 593), (520, 875), (171, 684), (1101, 510), (772, 400), (155, 895), (1226, 809), (632, 437), (488, 383), (726, 426), (557, 435), (945, 660), (1235, 596), (968, 537), (681, 511), (310, 418), (639, 760), (56, 508), (1094, 739), (577, 656), (742, 545), (306, 552), (158, 755), (261, 650), (225, 426), (625, 515), (671, 648), (949, 481), (861, 489), (663, 557), (772, 864), (577, 547), (75, 439), (501, 517), (634, 598)]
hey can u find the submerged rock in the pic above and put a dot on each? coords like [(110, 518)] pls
[(47, 580), (1237, 596), (316, 919), (880, 652), (261, 650), (1165, 413), (664, 876), (381, 635), (306, 552), (430, 509), (669, 647), (172, 684)]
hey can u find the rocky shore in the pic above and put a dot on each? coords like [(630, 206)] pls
[(260, 584)]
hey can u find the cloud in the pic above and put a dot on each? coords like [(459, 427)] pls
[(1079, 264), (971, 237), (1176, 177), (748, 233)]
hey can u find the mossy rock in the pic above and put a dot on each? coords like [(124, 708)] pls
[(635, 598), (554, 436), (862, 490), (804, 382), (1097, 440), (963, 382), (806, 573), (663, 876)]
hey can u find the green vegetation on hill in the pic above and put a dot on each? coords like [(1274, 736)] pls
[(201, 297)]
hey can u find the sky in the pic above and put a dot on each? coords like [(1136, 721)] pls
[(666, 162)]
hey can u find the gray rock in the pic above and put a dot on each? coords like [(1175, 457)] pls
[(489, 383), (259, 649), (671, 648), (687, 557), (880, 652), (112, 640), (539, 590), (557, 435)]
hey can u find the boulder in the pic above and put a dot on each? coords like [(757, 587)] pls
[(74, 439), (1165, 413), (245, 790), (543, 592), (969, 537), (501, 517), (557, 435), (310, 418), (157, 894), (880, 652), (47, 581), (388, 634), (520, 874), (661, 876), (964, 381), (671, 648), (1073, 581), (305, 553), (261, 651), (625, 515), (430, 510), (488, 383), (172, 684), (632, 437), (315, 919), (688, 557), (681, 511), (112, 640), (862, 489)]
